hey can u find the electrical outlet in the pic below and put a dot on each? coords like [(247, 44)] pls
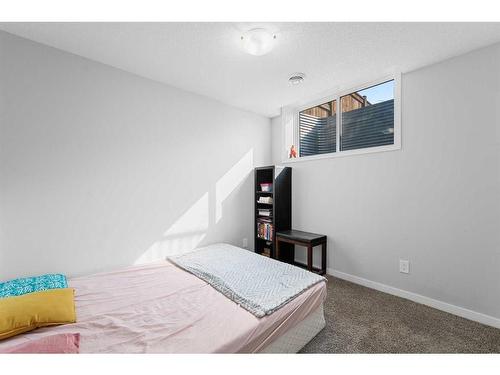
[(404, 266), (245, 243)]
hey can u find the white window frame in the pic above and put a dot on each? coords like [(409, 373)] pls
[(336, 96)]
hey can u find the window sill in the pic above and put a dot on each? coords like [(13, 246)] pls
[(343, 153)]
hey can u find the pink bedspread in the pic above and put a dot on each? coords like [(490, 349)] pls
[(159, 308)]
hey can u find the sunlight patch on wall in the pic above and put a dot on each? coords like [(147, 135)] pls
[(183, 236), (230, 181)]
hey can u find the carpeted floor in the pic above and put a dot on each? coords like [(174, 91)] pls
[(363, 320)]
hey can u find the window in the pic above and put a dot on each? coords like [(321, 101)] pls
[(317, 129), (356, 121), (368, 117)]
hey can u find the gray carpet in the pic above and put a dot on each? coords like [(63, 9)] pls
[(363, 320)]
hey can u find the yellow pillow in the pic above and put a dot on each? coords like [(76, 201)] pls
[(39, 309)]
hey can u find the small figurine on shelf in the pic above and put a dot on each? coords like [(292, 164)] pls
[(293, 153)]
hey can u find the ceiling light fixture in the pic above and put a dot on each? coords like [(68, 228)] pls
[(258, 42), (296, 78)]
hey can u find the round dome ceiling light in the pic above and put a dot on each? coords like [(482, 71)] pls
[(296, 78), (258, 42)]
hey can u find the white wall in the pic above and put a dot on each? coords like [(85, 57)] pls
[(436, 202), (100, 168)]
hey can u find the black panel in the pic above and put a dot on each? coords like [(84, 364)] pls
[(281, 218)]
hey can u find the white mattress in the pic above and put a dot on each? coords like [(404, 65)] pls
[(298, 336)]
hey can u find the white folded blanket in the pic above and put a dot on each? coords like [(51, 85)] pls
[(257, 283)]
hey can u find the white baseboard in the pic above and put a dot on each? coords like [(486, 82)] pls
[(452, 309)]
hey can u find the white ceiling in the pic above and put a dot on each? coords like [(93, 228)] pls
[(206, 58)]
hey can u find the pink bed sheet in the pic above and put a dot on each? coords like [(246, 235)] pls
[(159, 308), (62, 343)]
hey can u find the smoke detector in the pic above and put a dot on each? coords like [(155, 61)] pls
[(296, 78)]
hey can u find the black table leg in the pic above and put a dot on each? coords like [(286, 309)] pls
[(323, 258), (309, 258)]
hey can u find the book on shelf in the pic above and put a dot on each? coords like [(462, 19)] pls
[(266, 200), (265, 220), (265, 231), (264, 212)]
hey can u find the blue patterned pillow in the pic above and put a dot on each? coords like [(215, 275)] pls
[(25, 285)]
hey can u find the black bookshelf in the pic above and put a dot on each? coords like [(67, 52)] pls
[(280, 210)]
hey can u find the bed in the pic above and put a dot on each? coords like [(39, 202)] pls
[(161, 308)]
